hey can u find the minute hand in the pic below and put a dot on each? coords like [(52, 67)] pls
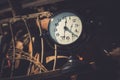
[(67, 29)]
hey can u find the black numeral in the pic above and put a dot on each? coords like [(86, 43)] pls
[(76, 25), (56, 24), (57, 34), (76, 30), (68, 38), (74, 20)]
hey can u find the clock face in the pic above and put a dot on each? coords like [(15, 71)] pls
[(65, 28)]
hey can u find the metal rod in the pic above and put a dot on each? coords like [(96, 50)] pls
[(13, 12), (42, 41), (13, 55), (31, 53), (55, 53)]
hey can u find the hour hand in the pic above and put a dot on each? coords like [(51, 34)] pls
[(67, 29)]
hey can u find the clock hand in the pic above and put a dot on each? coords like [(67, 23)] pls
[(64, 35), (66, 29)]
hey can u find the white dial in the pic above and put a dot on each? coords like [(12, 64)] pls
[(65, 28)]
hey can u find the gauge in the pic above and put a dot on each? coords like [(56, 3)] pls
[(65, 28)]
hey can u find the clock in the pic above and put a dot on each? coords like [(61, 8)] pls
[(65, 28)]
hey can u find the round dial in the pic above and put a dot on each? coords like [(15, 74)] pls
[(65, 28)]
